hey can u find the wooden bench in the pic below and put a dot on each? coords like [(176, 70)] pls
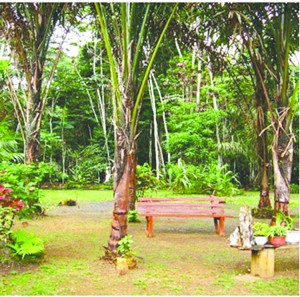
[(212, 207)]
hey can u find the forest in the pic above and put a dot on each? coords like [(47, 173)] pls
[(197, 98)]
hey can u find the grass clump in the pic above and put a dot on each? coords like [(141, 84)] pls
[(280, 286)]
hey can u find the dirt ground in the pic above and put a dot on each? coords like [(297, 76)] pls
[(185, 257)]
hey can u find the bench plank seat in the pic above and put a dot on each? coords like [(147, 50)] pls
[(181, 199), (208, 207)]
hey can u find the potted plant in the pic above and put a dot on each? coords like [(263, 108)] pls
[(277, 235), (125, 256), (260, 233), (292, 235)]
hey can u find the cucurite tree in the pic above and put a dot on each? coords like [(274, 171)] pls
[(270, 34)]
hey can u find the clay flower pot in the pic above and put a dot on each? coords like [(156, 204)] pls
[(277, 240)]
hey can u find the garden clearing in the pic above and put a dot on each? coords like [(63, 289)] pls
[(185, 257)]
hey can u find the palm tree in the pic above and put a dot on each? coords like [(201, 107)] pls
[(268, 32), (27, 28), (125, 29), (279, 41)]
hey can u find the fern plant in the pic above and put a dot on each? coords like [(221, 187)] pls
[(26, 244)]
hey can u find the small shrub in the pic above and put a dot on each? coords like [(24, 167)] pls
[(24, 179), (145, 179), (184, 178), (180, 178), (9, 208), (133, 216), (294, 188), (262, 213), (124, 248), (220, 180)]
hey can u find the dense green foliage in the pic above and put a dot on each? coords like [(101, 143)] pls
[(10, 207), (203, 91), (25, 180), (145, 179), (207, 179)]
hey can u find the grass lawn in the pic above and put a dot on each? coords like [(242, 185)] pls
[(53, 197), (185, 256)]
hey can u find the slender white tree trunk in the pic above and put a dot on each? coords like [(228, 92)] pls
[(150, 145), (98, 108), (199, 79), (177, 47), (159, 160), (216, 107), (163, 115), (102, 112), (63, 148)]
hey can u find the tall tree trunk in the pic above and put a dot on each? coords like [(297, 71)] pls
[(32, 148), (262, 142), (121, 194), (282, 152), (264, 194), (132, 182), (124, 54), (34, 110)]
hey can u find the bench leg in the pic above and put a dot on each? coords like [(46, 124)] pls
[(216, 222), (262, 262), (149, 229), (219, 225), (222, 221)]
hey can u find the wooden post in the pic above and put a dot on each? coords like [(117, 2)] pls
[(149, 230), (262, 262)]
